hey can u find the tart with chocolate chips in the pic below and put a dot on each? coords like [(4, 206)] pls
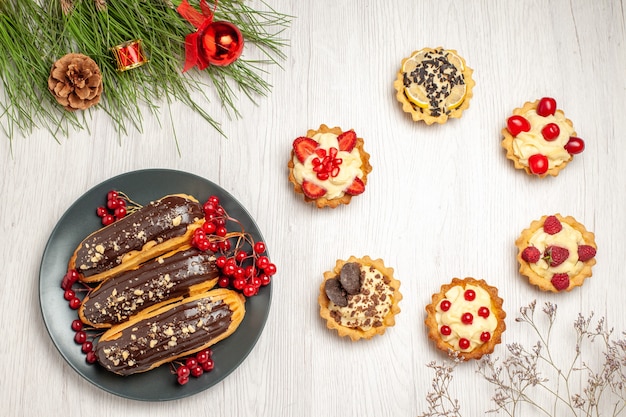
[(466, 316), (359, 298), (434, 85)]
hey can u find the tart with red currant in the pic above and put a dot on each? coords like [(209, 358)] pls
[(556, 253), (466, 316), (359, 298), (434, 85), (329, 166), (539, 139)]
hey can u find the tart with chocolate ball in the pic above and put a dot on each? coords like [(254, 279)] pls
[(329, 166), (539, 139), (556, 253), (434, 85), (466, 316), (359, 298)]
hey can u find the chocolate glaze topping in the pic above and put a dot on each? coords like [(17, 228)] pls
[(123, 295), (157, 221), (164, 336)]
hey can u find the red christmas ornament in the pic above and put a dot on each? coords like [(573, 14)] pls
[(220, 43), (215, 43)]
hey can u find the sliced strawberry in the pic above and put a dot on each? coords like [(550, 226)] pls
[(552, 225), (555, 255), (560, 281), (586, 252), (347, 141), (303, 147), (311, 190), (531, 254), (356, 188)]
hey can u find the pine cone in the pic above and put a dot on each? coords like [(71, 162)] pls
[(76, 82)]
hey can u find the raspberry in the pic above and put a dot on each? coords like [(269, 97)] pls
[(552, 225), (586, 252), (555, 255), (560, 281), (531, 254)]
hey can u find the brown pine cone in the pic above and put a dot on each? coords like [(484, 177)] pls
[(76, 82)]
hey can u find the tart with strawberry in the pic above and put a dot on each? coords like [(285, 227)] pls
[(359, 298), (539, 139), (466, 316), (434, 85), (556, 253), (329, 166)]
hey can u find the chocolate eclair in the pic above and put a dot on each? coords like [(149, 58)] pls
[(153, 230), (159, 336), (181, 273)]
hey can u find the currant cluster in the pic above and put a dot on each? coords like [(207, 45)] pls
[(118, 205), (245, 271), (67, 283), (81, 338), (195, 366)]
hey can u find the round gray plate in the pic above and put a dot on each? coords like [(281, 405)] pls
[(79, 221)]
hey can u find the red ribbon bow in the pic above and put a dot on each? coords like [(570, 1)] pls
[(199, 21)]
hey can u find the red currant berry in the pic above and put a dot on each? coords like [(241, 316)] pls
[(75, 303), (203, 245), (208, 207), (575, 145), (108, 219), (219, 210), (239, 272), (183, 381), (469, 295), (467, 318), (220, 262), (538, 164), (77, 325), (249, 290), (121, 202), (220, 222), (112, 195), (239, 283), (445, 330), (102, 211), (483, 312), (214, 247), (221, 231), (183, 371), (262, 262), (202, 356), (197, 371), (517, 124), (191, 362), (91, 357), (229, 270), (485, 336), (445, 305), (250, 271), (241, 256), (270, 269), (112, 204), (255, 282), (69, 279), (265, 279), (464, 343), (259, 247), (550, 131), (208, 365), (208, 227), (214, 199), (225, 245), (223, 281), (80, 337), (120, 212), (546, 106), (87, 347), (69, 294)]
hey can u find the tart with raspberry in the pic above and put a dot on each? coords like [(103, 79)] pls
[(466, 316), (329, 166), (359, 298), (539, 139), (434, 84), (556, 253)]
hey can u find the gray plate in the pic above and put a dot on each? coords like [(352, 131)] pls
[(79, 221)]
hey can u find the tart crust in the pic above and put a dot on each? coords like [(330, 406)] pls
[(496, 309), (418, 113), (543, 283), (322, 202), (357, 333), (507, 143)]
